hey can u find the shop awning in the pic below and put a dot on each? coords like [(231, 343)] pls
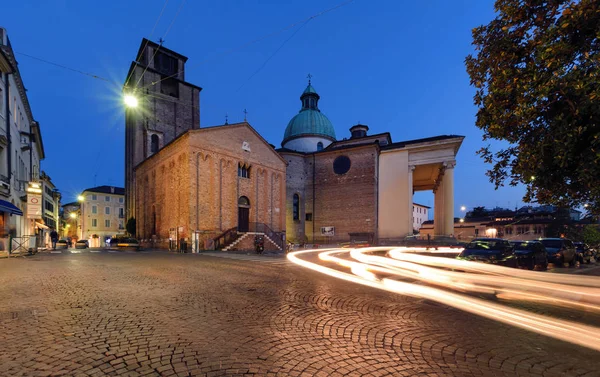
[(41, 226), (10, 208)]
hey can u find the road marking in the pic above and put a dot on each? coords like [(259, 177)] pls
[(95, 251), (56, 252), (75, 252)]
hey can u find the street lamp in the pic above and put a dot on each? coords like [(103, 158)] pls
[(80, 198), (73, 215), (462, 220), (130, 100), (463, 208)]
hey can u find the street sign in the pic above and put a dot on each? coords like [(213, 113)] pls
[(34, 206), (328, 231)]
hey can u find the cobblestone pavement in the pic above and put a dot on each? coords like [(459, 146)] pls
[(96, 314)]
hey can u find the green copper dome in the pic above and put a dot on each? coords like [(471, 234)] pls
[(310, 121)]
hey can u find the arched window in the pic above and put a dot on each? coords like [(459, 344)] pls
[(243, 171), (296, 207), (154, 143), (319, 146), (243, 202)]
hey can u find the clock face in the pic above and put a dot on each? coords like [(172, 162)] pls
[(246, 146)]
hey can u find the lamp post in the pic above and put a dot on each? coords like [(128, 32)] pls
[(81, 200)]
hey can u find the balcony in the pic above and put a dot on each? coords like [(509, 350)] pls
[(121, 215)]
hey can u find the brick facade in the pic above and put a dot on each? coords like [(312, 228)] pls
[(193, 184), (347, 202), (168, 107)]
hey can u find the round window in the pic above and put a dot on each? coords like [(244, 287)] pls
[(341, 165)]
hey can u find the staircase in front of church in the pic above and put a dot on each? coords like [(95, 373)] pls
[(245, 242), (232, 239)]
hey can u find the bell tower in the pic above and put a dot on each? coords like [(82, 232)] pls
[(167, 106)]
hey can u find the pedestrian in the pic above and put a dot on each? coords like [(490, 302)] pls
[(54, 238)]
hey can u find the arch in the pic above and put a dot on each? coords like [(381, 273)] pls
[(154, 143), (296, 207), (243, 201), (319, 146)]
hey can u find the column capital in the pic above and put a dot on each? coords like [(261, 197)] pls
[(449, 164)]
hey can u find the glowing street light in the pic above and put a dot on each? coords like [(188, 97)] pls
[(462, 220), (80, 198), (463, 208), (73, 215), (130, 100)]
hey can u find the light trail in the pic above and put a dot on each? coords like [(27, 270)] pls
[(436, 279)]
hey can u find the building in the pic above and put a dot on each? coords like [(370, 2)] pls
[(101, 215), (420, 215), (524, 224), (168, 107), (215, 186), (71, 213), (51, 208), (210, 181), (21, 150), (361, 187)]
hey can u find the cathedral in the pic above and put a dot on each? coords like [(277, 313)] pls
[(217, 187)]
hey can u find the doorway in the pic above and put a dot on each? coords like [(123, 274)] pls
[(243, 214)]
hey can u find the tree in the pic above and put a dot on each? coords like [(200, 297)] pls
[(130, 226), (478, 212), (536, 71), (591, 235)]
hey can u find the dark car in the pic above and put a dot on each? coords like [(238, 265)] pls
[(489, 250), (560, 251), (584, 253), (62, 244), (82, 244), (531, 254), (125, 243)]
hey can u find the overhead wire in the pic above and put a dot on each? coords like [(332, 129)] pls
[(64, 67), (234, 49), (147, 40), (272, 55), (160, 44)]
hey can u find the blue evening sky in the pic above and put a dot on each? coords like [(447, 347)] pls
[(394, 65)]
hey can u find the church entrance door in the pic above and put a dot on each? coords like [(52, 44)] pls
[(243, 214)]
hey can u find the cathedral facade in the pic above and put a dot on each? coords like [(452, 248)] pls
[(361, 187), (213, 187)]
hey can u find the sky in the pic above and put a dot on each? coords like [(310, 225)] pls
[(395, 65)]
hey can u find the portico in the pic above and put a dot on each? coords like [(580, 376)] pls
[(416, 165)]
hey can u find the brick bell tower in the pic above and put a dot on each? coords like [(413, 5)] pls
[(168, 106)]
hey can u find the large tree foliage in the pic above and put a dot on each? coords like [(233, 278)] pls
[(536, 71)]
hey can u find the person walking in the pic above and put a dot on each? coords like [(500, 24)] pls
[(53, 238)]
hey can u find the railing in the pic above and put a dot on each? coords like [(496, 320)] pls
[(121, 216), (21, 245), (225, 238), (276, 237)]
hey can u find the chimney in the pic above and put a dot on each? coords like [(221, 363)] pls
[(112, 190), (358, 131)]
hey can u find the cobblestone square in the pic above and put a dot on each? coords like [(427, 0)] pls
[(150, 314)]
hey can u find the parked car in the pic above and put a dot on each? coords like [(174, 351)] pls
[(62, 244), (531, 254), (125, 243), (489, 250), (584, 253), (82, 244), (560, 251)]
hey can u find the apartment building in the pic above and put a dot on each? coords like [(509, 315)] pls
[(21, 150), (102, 214)]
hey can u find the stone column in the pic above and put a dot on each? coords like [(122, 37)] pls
[(438, 208), (410, 227), (448, 193)]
